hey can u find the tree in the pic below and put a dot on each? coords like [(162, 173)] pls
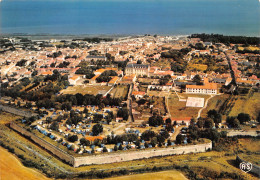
[(84, 142), (55, 126), (179, 139), (97, 118), (165, 134), (154, 141), (197, 79), (123, 112), (164, 80), (105, 149), (146, 145), (192, 122), (169, 127), (73, 138), (155, 120), (160, 139), (200, 123), (175, 123), (194, 132), (168, 121), (120, 147), (213, 114), (85, 110), (233, 122), (115, 148), (97, 129), (209, 123), (93, 151), (243, 117), (147, 135), (28, 105), (199, 46)]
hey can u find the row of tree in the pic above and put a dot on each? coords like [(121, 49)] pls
[(218, 38)]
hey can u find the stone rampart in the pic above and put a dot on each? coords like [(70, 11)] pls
[(243, 133), (111, 157), (53, 149), (17, 111), (141, 154)]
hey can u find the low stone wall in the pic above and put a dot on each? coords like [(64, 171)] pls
[(53, 149), (255, 169), (141, 154), (242, 133), (111, 157), (17, 111)]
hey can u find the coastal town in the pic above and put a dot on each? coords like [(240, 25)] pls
[(105, 96)]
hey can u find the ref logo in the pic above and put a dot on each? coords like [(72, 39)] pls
[(245, 166)]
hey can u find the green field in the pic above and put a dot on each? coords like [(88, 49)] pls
[(119, 91), (215, 103), (178, 108), (85, 89), (246, 104)]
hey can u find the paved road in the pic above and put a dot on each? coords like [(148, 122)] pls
[(231, 70), (129, 103)]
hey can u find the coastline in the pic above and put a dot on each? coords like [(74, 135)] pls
[(75, 36)]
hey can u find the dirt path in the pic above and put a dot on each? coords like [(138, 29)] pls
[(11, 168), (176, 132), (205, 106)]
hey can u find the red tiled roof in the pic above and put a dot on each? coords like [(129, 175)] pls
[(93, 138), (138, 93), (206, 86)]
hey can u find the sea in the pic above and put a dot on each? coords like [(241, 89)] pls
[(130, 17)]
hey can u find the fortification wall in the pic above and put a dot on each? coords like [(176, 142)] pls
[(242, 133), (53, 149), (133, 155), (111, 157), (16, 111)]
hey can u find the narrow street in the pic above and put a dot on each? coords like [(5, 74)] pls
[(129, 103), (231, 70)]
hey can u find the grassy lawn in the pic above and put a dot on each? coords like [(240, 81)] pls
[(178, 108), (215, 103), (6, 118), (119, 91), (198, 67), (246, 104), (250, 148), (161, 63), (85, 89)]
